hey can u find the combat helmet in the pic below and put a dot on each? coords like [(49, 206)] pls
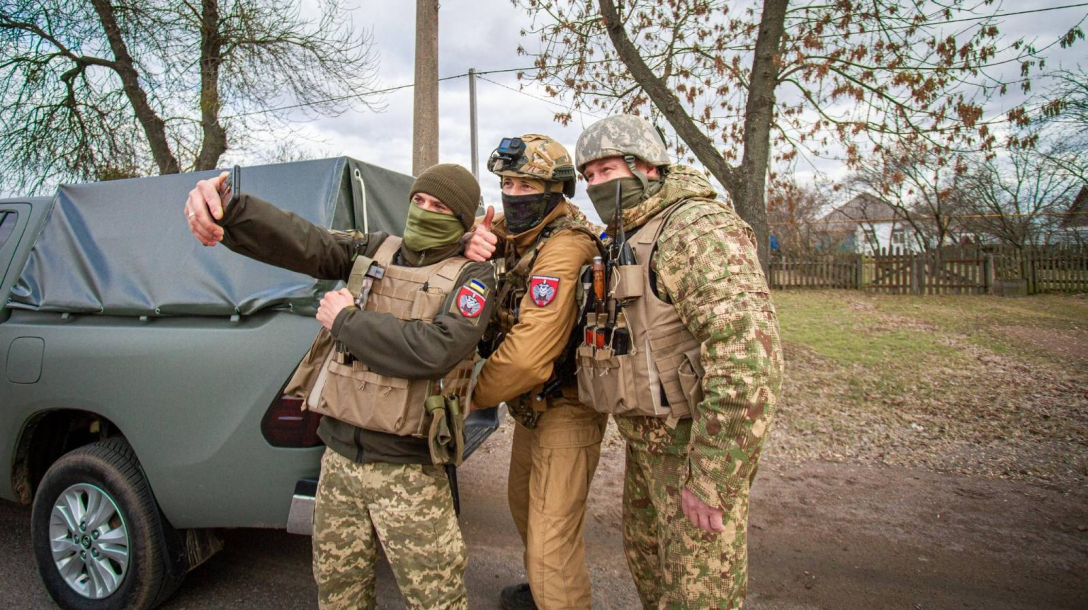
[(622, 135), (534, 156)]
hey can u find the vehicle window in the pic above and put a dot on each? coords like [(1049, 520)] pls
[(7, 226)]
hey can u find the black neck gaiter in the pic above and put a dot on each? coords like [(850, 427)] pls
[(523, 212)]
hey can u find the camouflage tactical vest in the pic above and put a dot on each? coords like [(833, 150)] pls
[(351, 392), (526, 409), (663, 356)]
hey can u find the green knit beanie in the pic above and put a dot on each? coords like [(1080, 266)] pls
[(454, 186)]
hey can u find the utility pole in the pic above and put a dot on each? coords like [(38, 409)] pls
[(425, 117), (474, 138)]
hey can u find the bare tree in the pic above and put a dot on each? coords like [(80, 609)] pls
[(925, 189), (793, 213), (1017, 198), (732, 77), (116, 88), (1062, 123)]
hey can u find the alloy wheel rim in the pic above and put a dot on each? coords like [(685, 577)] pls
[(89, 540)]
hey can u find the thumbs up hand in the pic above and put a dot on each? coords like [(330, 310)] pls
[(488, 218), (480, 242)]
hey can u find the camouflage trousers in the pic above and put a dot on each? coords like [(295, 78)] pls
[(676, 565), (409, 508), (551, 467)]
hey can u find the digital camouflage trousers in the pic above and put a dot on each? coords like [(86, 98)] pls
[(409, 509), (676, 565)]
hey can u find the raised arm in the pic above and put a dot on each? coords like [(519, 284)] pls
[(261, 231)]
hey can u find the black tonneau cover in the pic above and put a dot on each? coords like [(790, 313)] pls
[(124, 247)]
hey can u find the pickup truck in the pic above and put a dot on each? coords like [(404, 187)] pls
[(141, 402)]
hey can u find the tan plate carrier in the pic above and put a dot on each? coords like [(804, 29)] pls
[(663, 356), (355, 394)]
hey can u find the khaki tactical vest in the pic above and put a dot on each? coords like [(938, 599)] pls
[(663, 356), (526, 408), (350, 391)]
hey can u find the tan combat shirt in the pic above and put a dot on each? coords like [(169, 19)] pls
[(525, 359)]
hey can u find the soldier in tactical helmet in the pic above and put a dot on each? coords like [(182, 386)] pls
[(404, 335), (543, 242), (694, 388)]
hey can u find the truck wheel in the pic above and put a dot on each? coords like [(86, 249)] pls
[(99, 539)]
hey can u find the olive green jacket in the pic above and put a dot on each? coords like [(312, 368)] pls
[(389, 346)]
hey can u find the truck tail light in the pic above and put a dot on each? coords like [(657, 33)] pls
[(285, 424)]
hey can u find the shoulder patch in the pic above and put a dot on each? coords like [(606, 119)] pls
[(471, 299), (543, 289)]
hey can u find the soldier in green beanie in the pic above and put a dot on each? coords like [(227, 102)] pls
[(414, 337)]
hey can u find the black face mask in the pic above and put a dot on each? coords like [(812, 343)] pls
[(523, 212)]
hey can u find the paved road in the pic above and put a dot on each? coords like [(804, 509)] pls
[(823, 535)]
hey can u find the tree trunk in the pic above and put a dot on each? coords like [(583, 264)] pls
[(153, 125), (211, 47), (750, 200), (747, 184)]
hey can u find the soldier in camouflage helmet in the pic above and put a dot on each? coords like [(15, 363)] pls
[(698, 422), (543, 241)]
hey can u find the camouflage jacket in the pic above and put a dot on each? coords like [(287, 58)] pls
[(707, 266)]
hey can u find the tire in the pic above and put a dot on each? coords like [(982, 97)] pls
[(124, 555)]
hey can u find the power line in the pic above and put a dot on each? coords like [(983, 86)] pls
[(366, 94), (963, 20), (535, 97)]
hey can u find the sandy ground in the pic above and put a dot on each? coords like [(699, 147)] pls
[(823, 535)]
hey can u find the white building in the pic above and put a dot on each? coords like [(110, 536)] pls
[(866, 225)]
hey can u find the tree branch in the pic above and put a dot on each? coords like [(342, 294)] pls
[(666, 101)]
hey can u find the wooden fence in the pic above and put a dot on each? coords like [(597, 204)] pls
[(948, 270)]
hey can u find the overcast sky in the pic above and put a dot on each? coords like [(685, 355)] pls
[(484, 34)]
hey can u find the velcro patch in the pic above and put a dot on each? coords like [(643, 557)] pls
[(543, 289), (478, 286), (469, 302)]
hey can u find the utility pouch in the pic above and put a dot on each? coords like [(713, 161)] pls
[(438, 433), (629, 282), (359, 267), (372, 401), (446, 432), (305, 379)]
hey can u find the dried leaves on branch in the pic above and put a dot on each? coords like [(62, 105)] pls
[(847, 77), (109, 89)]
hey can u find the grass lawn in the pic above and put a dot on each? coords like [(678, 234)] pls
[(973, 384)]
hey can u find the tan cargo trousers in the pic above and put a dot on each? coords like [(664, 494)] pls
[(551, 467), (409, 509)]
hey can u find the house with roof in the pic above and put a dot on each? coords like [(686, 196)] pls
[(1075, 220), (866, 225)]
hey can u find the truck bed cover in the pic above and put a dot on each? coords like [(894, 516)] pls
[(123, 247)]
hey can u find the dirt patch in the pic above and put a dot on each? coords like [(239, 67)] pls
[(827, 535), (1066, 343), (907, 383)]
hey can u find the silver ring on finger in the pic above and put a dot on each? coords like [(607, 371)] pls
[(191, 215)]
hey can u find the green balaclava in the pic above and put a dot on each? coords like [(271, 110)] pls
[(634, 190), (426, 230), (431, 236)]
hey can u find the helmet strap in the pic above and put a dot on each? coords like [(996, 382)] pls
[(630, 160)]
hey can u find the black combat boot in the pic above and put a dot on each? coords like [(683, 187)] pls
[(517, 597)]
